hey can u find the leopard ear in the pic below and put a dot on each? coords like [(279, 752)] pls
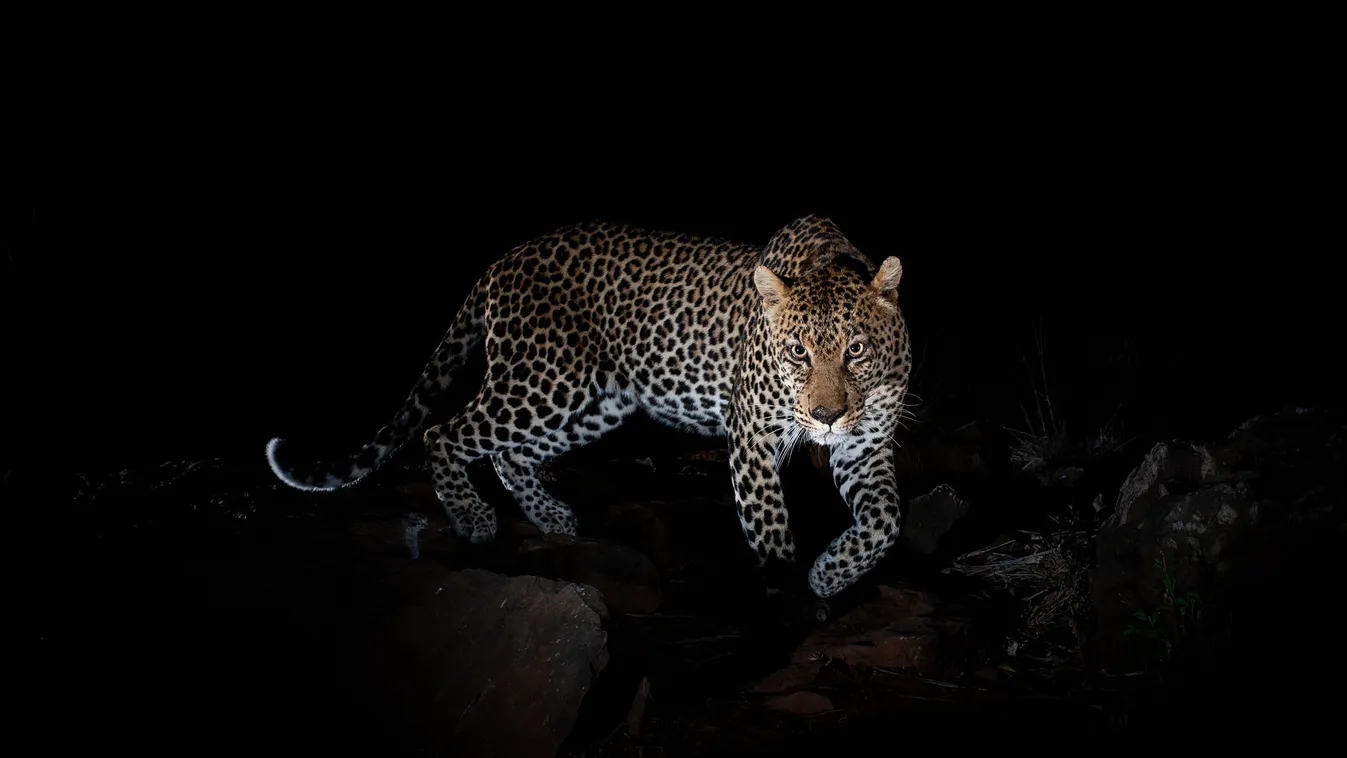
[(886, 280), (769, 285)]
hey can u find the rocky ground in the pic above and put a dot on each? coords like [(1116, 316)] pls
[(1143, 596)]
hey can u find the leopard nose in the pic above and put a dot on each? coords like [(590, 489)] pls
[(826, 415)]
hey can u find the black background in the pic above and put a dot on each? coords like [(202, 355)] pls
[(204, 252)]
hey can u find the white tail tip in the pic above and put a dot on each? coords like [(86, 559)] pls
[(284, 477)]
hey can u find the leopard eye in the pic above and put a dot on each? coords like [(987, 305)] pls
[(798, 352), (856, 349)]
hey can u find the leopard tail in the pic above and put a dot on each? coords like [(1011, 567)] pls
[(464, 335)]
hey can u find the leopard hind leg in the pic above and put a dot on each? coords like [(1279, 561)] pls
[(518, 467), (508, 414)]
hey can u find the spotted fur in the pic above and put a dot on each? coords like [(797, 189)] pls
[(800, 341)]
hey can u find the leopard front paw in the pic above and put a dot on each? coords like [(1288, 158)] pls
[(477, 530), (556, 521), (827, 576)]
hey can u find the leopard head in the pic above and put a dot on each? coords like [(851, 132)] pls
[(837, 338)]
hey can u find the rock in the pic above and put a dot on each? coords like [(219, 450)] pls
[(488, 665), (1166, 466), (627, 579), (930, 517), (1287, 440), (803, 703), (897, 630), (1216, 522), (1068, 476), (989, 673), (638, 704), (414, 534), (645, 526)]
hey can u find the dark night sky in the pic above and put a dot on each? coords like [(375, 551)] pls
[(195, 270)]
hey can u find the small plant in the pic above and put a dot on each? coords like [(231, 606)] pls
[(1169, 625), (1110, 440), (1047, 572), (1044, 437)]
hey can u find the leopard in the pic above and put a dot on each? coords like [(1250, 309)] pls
[(800, 341)]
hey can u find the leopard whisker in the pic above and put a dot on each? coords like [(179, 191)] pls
[(766, 431), (786, 447)]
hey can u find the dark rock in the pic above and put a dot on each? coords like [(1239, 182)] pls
[(930, 517), (793, 604), (488, 665), (626, 578), (1205, 525), (636, 712), (1168, 465), (417, 533), (1068, 476), (900, 629), (802, 703), (645, 526)]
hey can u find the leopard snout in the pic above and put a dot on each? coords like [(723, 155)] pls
[(825, 414)]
